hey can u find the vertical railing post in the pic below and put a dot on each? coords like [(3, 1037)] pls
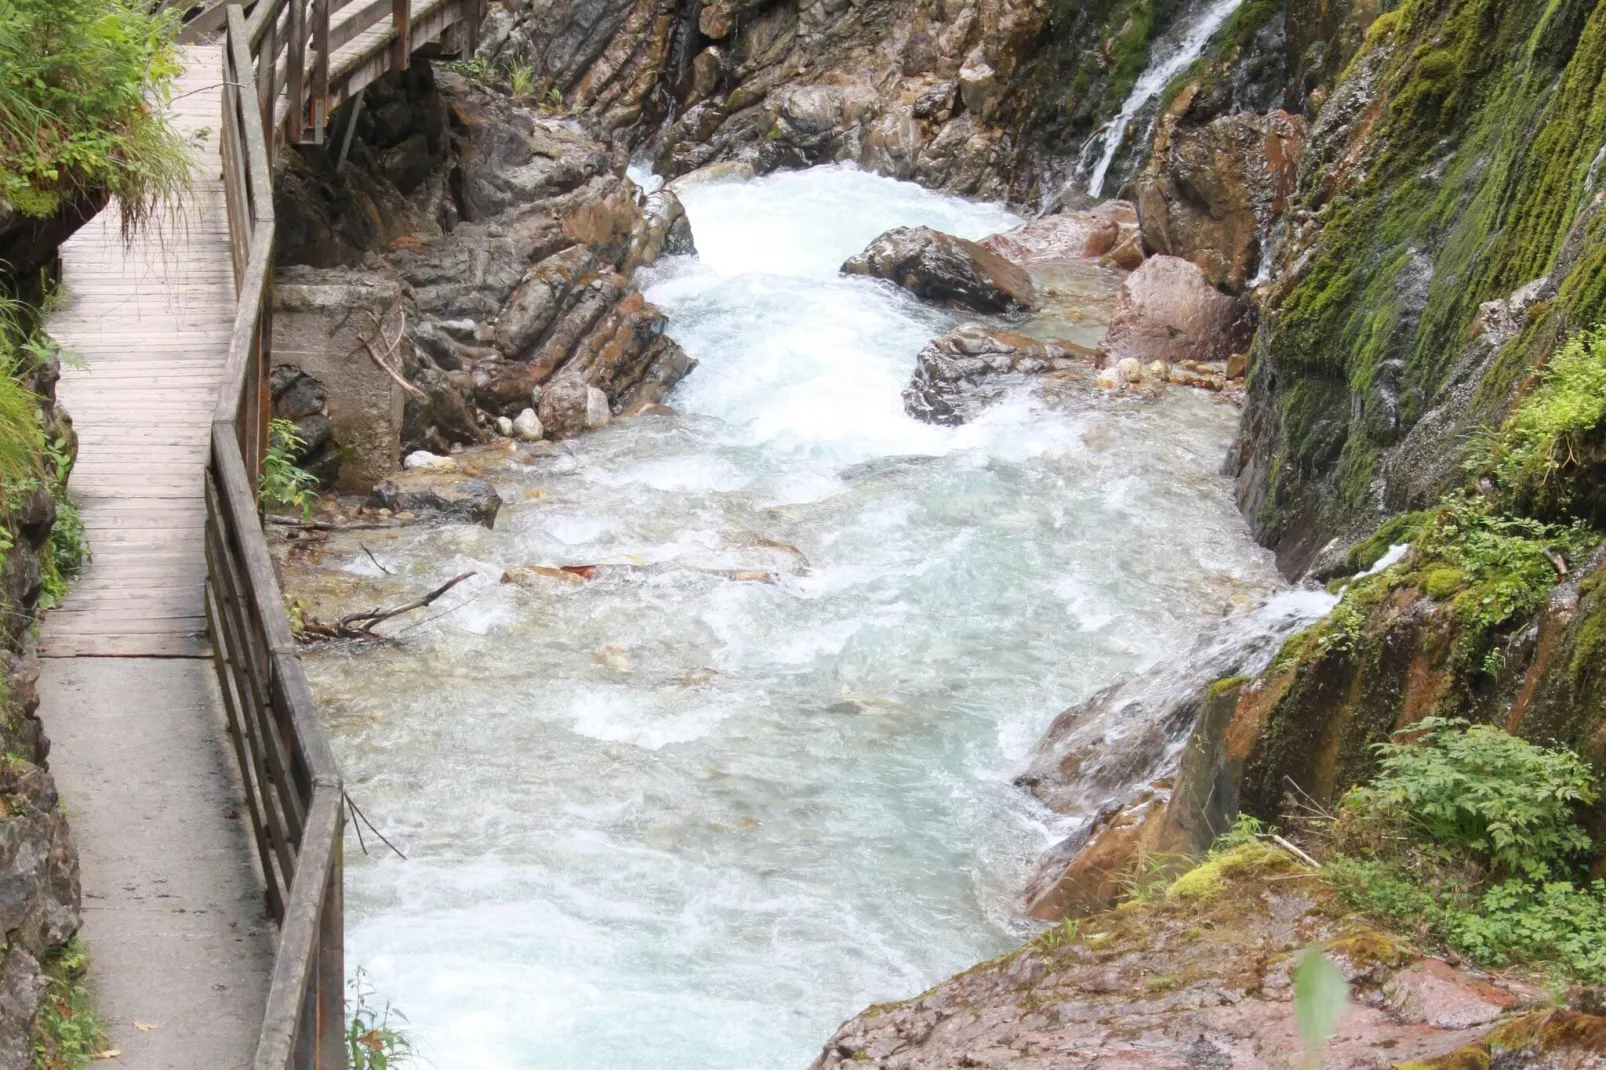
[(401, 21), (332, 965), (320, 69), (295, 57)]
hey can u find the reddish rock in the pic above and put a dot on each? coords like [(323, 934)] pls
[(1212, 193), (1069, 235), (1170, 312)]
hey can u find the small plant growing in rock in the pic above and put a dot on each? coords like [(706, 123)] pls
[(286, 485), (372, 1041), (520, 80)]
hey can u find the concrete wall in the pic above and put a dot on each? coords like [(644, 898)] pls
[(319, 321)]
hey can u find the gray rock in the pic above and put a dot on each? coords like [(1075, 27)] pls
[(967, 369), (945, 270), (440, 495)]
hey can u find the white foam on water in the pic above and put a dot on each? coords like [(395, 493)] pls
[(667, 820)]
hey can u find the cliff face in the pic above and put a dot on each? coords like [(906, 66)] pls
[(1444, 235), (994, 98)]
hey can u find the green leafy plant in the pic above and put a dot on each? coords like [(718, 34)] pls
[(520, 80), (373, 1042), (1510, 804), (67, 1035), (1320, 996), (285, 485), (83, 90)]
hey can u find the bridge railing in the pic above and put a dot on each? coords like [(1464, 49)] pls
[(285, 65), (312, 55), (293, 791)]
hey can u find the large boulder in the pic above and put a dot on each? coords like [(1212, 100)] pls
[(1170, 312), (1211, 194), (967, 369), (945, 270)]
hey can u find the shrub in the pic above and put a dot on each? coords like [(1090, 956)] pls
[(83, 85), (285, 485), (1509, 803)]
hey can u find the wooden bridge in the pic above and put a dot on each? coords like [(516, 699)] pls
[(197, 797)]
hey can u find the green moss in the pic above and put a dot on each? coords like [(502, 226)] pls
[(1471, 178), (1441, 583), (1210, 877), (1225, 685)]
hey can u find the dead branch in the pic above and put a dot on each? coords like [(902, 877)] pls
[(384, 361), (326, 525), (1295, 851), (362, 624)]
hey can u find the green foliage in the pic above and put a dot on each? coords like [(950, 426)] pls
[(372, 1041), (1505, 567), (1508, 803), (285, 485), (1552, 924), (1320, 996), (1544, 435), (67, 1034), (1456, 806), (83, 87)]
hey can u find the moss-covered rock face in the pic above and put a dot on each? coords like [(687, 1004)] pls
[(1414, 641), (1446, 233)]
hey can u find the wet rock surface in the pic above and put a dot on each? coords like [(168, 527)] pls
[(946, 270), (1212, 194), (436, 491), (960, 373), (1169, 312), (1204, 979)]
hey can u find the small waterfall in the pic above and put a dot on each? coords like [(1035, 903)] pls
[(1170, 59)]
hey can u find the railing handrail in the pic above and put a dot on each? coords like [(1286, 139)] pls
[(292, 783)]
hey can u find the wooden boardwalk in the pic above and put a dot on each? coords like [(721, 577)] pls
[(151, 321), (173, 911)]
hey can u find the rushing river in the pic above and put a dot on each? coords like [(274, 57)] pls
[(674, 818)]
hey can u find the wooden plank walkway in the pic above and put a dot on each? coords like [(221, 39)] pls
[(173, 911), (151, 320)]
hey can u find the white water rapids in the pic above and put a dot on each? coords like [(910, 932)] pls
[(671, 820)]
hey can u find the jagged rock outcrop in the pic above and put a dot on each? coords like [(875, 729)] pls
[(1212, 194), (945, 270), (1170, 312), (511, 251), (39, 891), (967, 369), (1202, 977)]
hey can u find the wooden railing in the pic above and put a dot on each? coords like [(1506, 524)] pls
[(293, 790), (323, 52), (292, 785)]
